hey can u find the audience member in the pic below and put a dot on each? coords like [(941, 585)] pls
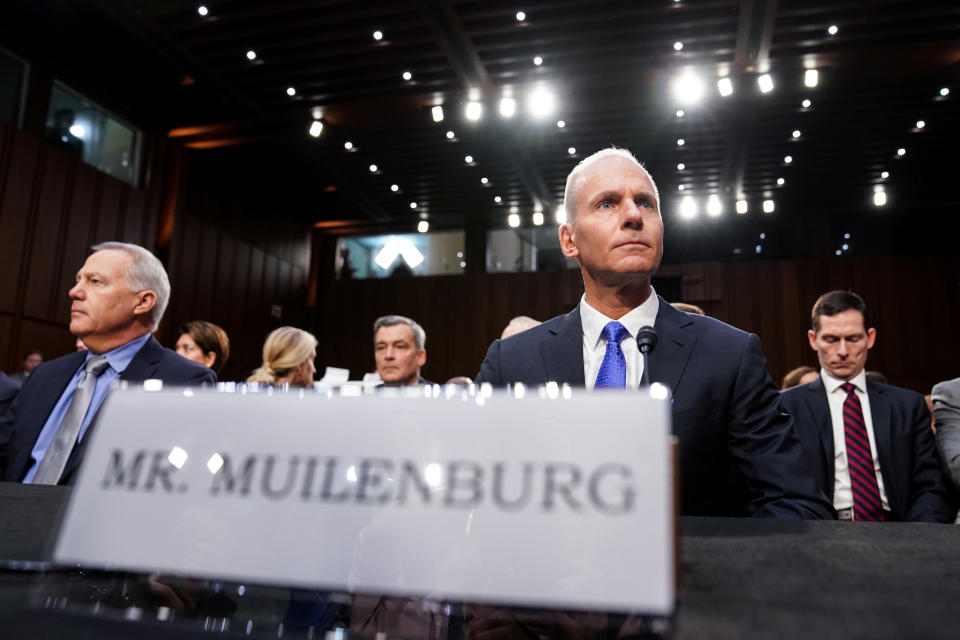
[(288, 358), (946, 403), (206, 343), (869, 443), (801, 375), (30, 362), (876, 376), (399, 351), (8, 392), (518, 325), (738, 452), (118, 300), (688, 308)]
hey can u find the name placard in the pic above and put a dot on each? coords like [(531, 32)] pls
[(537, 501)]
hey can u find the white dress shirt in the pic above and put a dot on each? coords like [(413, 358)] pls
[(595, 344), (842, 492)]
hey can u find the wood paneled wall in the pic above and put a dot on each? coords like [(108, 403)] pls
[(914, 303)]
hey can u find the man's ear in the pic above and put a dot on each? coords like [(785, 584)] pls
[(422, 357), (871, 337), (812, 337), (146, 300), (568, 242)]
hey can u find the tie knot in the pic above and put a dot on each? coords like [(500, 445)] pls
[(96, 365), (615, 332), (848, 388)]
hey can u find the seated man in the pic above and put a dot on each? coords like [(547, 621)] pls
[(398, 348), (118, 300), (8, 392), (738, 454), (870, 443)]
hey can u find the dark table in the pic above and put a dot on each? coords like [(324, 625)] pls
[(739, 578)]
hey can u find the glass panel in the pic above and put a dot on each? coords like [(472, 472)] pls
[(12, 72), (84, 129), (412, 254), (534, 249)]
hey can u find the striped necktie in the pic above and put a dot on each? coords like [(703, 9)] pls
[(863, 477)]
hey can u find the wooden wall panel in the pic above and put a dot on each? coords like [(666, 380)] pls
[(17, 192), (108, 218), (76, 243), (43, 258), (134, 214)]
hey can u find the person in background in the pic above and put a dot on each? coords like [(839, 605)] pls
[(206, 343), (877, 376), (518, 325), (288, 355), (399, 349), (801, 375), (946, 412), (8, 392), (30, 362), (687, 307)]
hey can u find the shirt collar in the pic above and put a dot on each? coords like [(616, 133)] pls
[(120, 357), (593, 321), (832, 384)]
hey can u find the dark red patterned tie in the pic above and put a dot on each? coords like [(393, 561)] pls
[(863, 477)]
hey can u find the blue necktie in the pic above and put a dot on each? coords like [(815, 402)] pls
[(613, 369)]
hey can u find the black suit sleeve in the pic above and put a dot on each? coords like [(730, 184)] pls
[(929, 500), (490, 367), (765, 448)]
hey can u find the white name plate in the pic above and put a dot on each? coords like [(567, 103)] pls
[(563, 502)]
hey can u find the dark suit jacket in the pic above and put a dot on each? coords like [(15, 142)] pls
[(21, 426), (912, 473), (8, 392), (738, 453)]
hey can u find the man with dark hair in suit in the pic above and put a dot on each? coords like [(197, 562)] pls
[(870, 443), (118, 299), (738, 454)]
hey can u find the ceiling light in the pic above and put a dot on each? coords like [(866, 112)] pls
[(316, 128), (806, 104), (879, 198), (714, 206), (725, 87), (541, 102), (513, 220), (251, 55), (521, 16), (484, 181), (679, 113), (846, 236), (78, 130), (765, 82), (901, 152), (450, 135), (688, 207), (781, 182), (423, 226), (407, 76), (921, 124), (763, 236), (561, 215), (468, 159), (538, 218), (437, 113), (811, 77), (681, 166), (796, 133), (945, 91), (742, 207), (833, 29), (768, 206), (413, 205), (378, 35), (681, 187), (348, 145), (537, 60), (571, 150), (885, 174), (787, 159), (202, 10), (291, 91), (688, 88), (497, 199), (681, 142), (394, 188), (508, 107), (474, 110), (373, 168), (561, 124), (677, 46)]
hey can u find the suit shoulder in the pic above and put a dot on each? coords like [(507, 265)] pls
[(897, 394), (948, 389), (535, 335)]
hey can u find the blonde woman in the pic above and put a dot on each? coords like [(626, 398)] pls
[(288, 356)]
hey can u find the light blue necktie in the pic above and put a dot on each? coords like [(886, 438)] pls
[(613, 369)]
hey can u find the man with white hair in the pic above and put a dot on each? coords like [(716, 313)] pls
[(118, 300), (738, 453)]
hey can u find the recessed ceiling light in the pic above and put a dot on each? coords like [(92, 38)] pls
[(513, 220), (742, 207), (688, 207), (508, 107), (413, 205), (901, 152), (681, 187), (768, 206), (787, 159), (348, 145), (474, 110), (497, 199), (687, 88), (806, 104), (879, 198), (484, 181), (521, 16), (407, 76), (251, 55), (571, 150), (561, 124), (796, 133), (373, 168), (677, 46), (450, 135), (394, 188), (714, 206), (561, 215), (921, 124), (202, 10), (291, 91), (378, 35), (781, 181), (885, 174), (681, 142), (680, 113), (468, 159), (316, 128), (681, 167), (811, 77), (765, 82), (945, 91), (725, 87), (537, 60), (541, 102), (538, 218), (833, 29), (423, 226), (437, 113)]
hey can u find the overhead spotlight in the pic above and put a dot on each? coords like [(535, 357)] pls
[(742, 207), (921, 124), (680, 113), (78, 130), (688, 88), (378, 35), (316, 128), (846, 236), (374, 168), (688, 207), (291, 91), (768, 206), (394, 188), (407, 76), (845, 247), (202, 10), (806, 104), (541, 102), (796, 133), (681, 166), (677, 46), (811, 77), (765, 82), (781, 182), (508, 107), (413, 205), (251, 55), (537, 60), (423, 226), (879, 197), (838, 252), (474, 110), (484, 180), (497, 199), (513, 220), (681, 142), (451, 135), (437, 113), (561, 124), (538, 218), (833, 29), (348, 145), (561, 215), (884, 174), (725, 87), (681, 187), (901, 152), (945, 91), (787, 159), (571, 150), (521, 16), (714, 206), (468, 159)]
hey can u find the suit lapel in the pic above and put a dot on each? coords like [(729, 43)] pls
[(562, 351), (144, 365), (674, 345), (880, 416), (822, 421)]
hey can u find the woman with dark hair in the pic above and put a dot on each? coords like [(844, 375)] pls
[(800, 375), (206, 343)]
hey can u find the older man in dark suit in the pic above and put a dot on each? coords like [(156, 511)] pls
[(118, 300), (738, 453)]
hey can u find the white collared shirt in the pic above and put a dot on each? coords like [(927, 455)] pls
[(595, 345), (842, 492)]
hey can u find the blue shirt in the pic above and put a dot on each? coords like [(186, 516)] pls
[(119, 360)]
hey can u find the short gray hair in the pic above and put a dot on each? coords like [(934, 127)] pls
[(145, 272), (576, 179), (419, 335)]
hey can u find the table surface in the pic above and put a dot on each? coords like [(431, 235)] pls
[(739, 578)]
